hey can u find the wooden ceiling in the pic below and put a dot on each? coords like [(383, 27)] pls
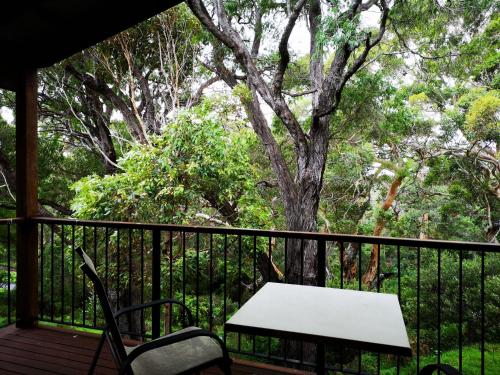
[(39, 33)]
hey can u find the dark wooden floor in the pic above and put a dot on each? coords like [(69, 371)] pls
[(57, 351)]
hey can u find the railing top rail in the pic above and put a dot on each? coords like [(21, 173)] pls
[(332, 237), (12, 220)]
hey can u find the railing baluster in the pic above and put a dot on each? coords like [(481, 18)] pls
[(52, 303), (321, 263), (197, 278), (9, 301), (130, 265), (142, 280), (285, 268), (418, 309), (95, 264), (269, 255), (106, 261), (84, 293), (302, 261), (399, 272), (156, 280), (211, 280), (183, 270), (378, 291), (320, 348), (118, 269), (341, 272), (171, 276), (255, 280), (42, 289), (73, 286), (482, 313), (398, 363), (460, 309), (302, 283), (239, 285), (225, 286), (378, 267), (360, 252), (129, 298), (285, 351), (62, 273), (439, 307)]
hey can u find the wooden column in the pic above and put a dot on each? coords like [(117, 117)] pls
[(27, 199)]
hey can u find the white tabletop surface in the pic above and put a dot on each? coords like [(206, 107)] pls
[(365, 320)]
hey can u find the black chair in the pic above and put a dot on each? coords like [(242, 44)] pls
[(441, 368), (183, 352)]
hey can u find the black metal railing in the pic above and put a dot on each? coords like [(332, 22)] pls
[(448, 290), (7, 271)]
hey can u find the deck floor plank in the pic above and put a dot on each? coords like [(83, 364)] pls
[(43, 351), (54, 351)]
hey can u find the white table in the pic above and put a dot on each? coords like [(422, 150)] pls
[(347, 318)]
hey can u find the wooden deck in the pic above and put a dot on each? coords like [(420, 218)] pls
[(57, 351)]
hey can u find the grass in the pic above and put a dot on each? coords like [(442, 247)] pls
[(471, 361)]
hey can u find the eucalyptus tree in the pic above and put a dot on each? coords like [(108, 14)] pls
[(339, 46), (463, 94), (124, 90)]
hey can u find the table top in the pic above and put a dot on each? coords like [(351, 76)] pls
[(349, 318)]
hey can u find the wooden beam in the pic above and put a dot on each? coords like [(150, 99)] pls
[(27, 199)]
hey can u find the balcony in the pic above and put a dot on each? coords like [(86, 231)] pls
[(447, 311)]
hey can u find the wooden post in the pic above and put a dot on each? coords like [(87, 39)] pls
[(27, 199), (321, 279)]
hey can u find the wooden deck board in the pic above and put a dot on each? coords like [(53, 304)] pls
[(44, 350)]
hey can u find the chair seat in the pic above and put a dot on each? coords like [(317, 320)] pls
[(177, 358)]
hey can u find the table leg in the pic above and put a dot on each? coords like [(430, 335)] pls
[(320, 359)]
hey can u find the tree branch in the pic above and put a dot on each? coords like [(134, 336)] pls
[(196, 98), (283, 48), (337, 79), (229, 37), (258, 31), (103, 89)]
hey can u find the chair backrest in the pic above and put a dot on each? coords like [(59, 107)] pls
[(114, 337)]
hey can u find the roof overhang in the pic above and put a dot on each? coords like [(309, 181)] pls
[(39, 33)]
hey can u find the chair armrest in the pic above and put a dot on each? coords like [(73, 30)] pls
[(155, 303), (172, 339), (447, 369)]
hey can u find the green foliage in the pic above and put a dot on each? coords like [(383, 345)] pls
[(58, 168), (337, 30), (481, 56), (242, 91), (196, 165), (483, 117)]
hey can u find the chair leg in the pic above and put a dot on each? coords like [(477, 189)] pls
[(97, 354), (226, 367)]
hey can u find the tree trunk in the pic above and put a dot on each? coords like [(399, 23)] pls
[(301, 214), (350, 261), (424, 229), (371, 274)]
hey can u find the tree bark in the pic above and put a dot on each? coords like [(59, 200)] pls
[(350, 271), (100, 87), (370, 275)]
